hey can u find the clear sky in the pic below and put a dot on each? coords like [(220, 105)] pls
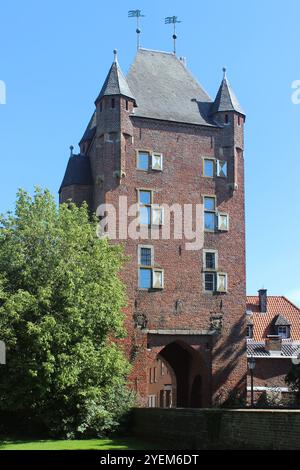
[(56, 54)]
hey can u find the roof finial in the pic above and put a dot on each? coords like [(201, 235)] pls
[(71, 149), (115, 51), (136, 14), (173, 20), (224, 73)]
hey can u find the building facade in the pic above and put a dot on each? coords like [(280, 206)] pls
[(273, 341), (157, 141)]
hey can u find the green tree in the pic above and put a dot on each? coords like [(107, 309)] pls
[(60, 315), (293, 380)]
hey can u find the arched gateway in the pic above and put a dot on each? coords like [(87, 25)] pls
[(178, 377)]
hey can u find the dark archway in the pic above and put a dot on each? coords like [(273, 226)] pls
[(180, 361), (196, 393)]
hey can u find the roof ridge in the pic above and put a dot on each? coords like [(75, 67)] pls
[(155, 50), (290, 302)]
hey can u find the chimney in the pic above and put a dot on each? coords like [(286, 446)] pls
[(263, 300), (273, 345)]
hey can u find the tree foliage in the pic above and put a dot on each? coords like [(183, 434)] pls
[(60, 313), (293, 380)]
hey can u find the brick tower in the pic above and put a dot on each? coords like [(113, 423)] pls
[(157, 138)]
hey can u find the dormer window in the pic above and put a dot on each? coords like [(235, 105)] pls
[(249, 331), (283, 332), (282, 327)]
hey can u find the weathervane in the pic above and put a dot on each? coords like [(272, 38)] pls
[(173, 20), (136, 14)]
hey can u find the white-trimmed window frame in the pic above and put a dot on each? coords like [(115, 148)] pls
[(218, 168), (219, 226), (218, 275), (211, 196), (151, 268), (151, 156), (213, 160), (151, 191), (210, 291), (205, 268), (148, 247)]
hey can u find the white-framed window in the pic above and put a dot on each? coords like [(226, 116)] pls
[(223, 222), (149, 277), (157, 161), (209, 213), (222, 168), (209, 281), (145, 204), (157, 216), (209, 167), (147, 161), (151, 401), (249, 331), (283, 332), (149, 213), (210, 259), (222, 282)]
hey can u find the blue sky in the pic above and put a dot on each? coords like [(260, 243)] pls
[(55, 56)]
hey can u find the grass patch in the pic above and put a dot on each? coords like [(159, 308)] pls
[(85, 444)]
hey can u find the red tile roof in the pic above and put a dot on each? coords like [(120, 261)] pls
[(277, 305)]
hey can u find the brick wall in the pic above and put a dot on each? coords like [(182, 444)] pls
[(221, 359), (219, 429)]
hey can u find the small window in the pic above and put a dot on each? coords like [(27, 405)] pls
[(145, 280), (145, 199), (157, 215), (223, 222), (209, 282), (210, 260), (143, 161), (283, 332), (157, 161), (239, 120), (209, 204), (249, 331), (112, 103), (152, 401), (226, 119), (209, 214), (221, 168), (221, 282), (209, 221), (158, 279), (146, 256), (209, 168), (127, 106)]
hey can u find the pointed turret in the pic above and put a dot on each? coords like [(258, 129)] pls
[(115, 82), (226, 100)]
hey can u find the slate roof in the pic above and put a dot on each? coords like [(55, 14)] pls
[(90, 130), (288, 349), (78, 172), (115, 83), (263, 323), (281, 321), (226, 99), (165, 89)]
